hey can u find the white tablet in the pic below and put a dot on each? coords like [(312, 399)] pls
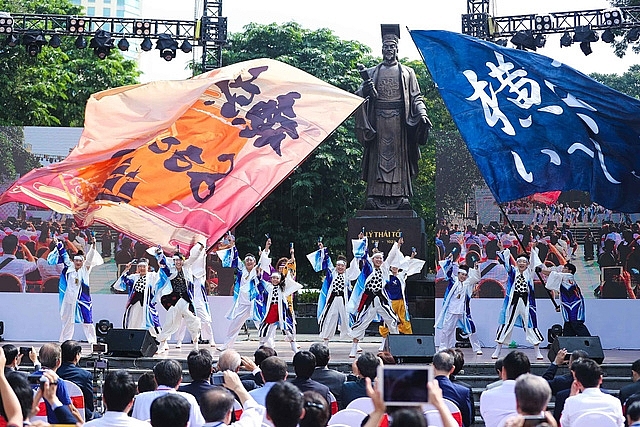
[(405, 385)]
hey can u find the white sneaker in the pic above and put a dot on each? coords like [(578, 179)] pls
[(359, 349), (354, 351), (479, 352), (179, 344), (294, 346), (381, 348), (196, 346), (496, 354)]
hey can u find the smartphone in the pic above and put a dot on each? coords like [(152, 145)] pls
[(405, 385), (533, 420), (24, 351), (217, 379)]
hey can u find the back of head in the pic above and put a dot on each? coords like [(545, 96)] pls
[(367, 364), (23, 391), (587, 372), (229, 360), (262, 353), (118, 390), (515, 364), (170, 410), (147, 382), (458, 361), (577, 354), (10, 353), (408, 417), (9, 244), (200, 364), (215, 404), (168, 373), (321, 352), (316, 410), (386, 357), (273, 369), (284, 404), (50, 355), (633, 411), (70, 349), (443, 361), (532, 394), (304, 363), (635, 366)]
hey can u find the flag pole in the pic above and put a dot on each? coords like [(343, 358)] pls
[(549, 294)]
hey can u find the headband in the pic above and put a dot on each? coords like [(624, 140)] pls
[(78, 258), (341, 261), (522, 258), (143, 261), (380, 254)]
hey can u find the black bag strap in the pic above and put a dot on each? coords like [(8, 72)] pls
[(5, 262)]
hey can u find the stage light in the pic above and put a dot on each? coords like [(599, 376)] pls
[(102, 329), (141, 28), (55, 41), (634, 34), (540, 40), (13, 40), (608, 36), (524, 40), (553, 332), (566, 40), (501, 42), (186, 47), (80, 42), (75, 25), (33, 40), (543, 23), (585, 35), (613, 17), (146, 44), (6, 23), (123, 45), (101, 43), (167, 47)]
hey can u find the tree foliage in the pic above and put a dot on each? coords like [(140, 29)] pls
[(621, 44), (627, 83), (14, 160)]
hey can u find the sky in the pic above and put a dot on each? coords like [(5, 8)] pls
[(360, 20)]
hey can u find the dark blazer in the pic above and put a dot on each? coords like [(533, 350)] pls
[(257, 378), (559, 383), (197, 388), (84, 380), (473, 406), (331, 378), (351, 390), (628, 390), (458, 394), (307, 384)]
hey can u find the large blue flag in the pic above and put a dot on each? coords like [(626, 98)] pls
[(533, 124)]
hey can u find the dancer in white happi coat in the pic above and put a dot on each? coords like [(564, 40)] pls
[(74, 290), (273, 297), (332, 302)]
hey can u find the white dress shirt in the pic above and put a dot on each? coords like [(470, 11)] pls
[(142, 405), (498, 403), (116, 419), (591, 400)]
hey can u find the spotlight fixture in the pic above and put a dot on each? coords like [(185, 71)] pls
[(167, 47), (80, 43), (542, 22), (585, 35), (501, 42), (101, 43), (612, 17), (13, 40), (146, 44), (524, 40), (634, 34), (102, 330), (75, 25), (186, 46), (123, 45), (6, 23), (141, 28), (55, 41), (33, 40), (540, 40), (566, 40), (608, 36)]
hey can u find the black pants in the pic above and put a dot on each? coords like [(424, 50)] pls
[(575, 328)]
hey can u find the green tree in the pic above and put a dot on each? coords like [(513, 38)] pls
[(628, 83), (15, 160), (621, 44)]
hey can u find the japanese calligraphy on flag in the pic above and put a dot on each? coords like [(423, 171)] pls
[(175, 162), (535, 125)]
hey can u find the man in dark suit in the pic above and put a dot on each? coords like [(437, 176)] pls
[(365, 366), (458, 364), (561, 382), (230, 360), (200, 364), (258, 357), (329, 377), (304, 363), (69, 371), (630, 389), (458, 394)]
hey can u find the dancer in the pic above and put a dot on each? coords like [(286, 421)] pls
[(455, 307), (274, 295), (74, 290), (519, 306), (179, 304), (145, 288), (332, 302), (369, 298)]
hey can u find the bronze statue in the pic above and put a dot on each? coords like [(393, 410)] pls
[(390, 124)]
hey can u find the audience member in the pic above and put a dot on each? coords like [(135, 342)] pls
[(316, 410), (386, 357), (10, 406), (118, 392), (230, 360), (532, 397), (365, 366), (633, 414), (304, 363), (12, 265), (586, 395), (170, 410), (258, 356), (285, 405), (498, 403), (14, 358), (217, 404), (458, 365), (69, 370), (168, 374), (273, 369), (460, 395), (562, 382), (147, 382), (634, 387), (200, 364), (498, 368), (329, 377)]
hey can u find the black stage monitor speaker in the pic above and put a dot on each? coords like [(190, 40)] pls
[(589, 344), (412, 348), (130, 343)]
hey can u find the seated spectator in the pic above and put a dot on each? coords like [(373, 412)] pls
[(633, 414), (200, 364), (168, 375), (147, 382), (365, 366), (498, 368), (458, 365), (170, 410), (118, 392), (634, 387), (329, 377), (532, 397), (316, 410), (460, 395), (14, 358), (386, 357), (561, 382), (285, 406), (217, 404), (258, 356), (9, 263), (230, 360), (69, 370), (304, 363), (273, 369), (47, 270), (10, 406)]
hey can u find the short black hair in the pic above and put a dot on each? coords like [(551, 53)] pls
[(458, 361), (408, 417), (316, 410), (577, 354), (262, 353), (321, 352), (10, 353), (9, 244), (515, 364), (367, 364), (284, 404), (118, 390), (70, 349), (215, 403), (463, 267), (304, 363), (635, 366), (200, 364), (273, 369), (170, 410), (587, 371), (571, 268), (147, 382), (23, 391), (168, 373), (633, 411)]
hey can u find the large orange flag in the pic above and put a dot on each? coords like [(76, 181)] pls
[(176, 162)]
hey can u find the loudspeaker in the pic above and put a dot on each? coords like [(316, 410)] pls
[(411, 348), (130, 343), (589, 344)]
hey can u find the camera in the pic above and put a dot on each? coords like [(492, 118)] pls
[(37, 379), (99, 348), (98, 364), (217, 379)]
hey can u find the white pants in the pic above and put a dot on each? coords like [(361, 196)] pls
[(68, 324), (447, 335), (205, 332), (517, 308), (338, 310), (242, 312), (175, 315), (369, 315), (136, 319), (268, 335)]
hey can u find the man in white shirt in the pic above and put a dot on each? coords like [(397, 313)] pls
[(217, 404), (586, 395), (118, 392), (168, 375), (10, 264), (273, 370)]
